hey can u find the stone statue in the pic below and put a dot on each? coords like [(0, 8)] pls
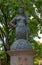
[(21, 51), (20, 22)]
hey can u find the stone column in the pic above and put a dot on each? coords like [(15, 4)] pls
[(21, 57)]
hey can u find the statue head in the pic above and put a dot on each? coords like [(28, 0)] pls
[(21, 10)]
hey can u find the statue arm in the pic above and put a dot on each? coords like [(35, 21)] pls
[(13, 22)]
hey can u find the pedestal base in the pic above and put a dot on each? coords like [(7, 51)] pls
[(21, 57)]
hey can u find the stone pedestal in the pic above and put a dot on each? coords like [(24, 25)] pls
[(21, 57), (21, 53)]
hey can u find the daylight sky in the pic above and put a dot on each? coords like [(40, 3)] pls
[(37, 39)]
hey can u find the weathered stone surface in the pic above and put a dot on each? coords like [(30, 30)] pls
[(21, 44), (20, 60), (22, 28)]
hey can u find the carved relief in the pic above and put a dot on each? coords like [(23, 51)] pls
[(25, 59), (22, 60), (19, 58)]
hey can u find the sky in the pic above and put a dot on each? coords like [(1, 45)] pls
[(37, 39)]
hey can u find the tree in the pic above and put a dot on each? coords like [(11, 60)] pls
[(8, 10)]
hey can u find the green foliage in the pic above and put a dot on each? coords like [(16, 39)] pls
[(2, 53), (8, 10), (33, 26)]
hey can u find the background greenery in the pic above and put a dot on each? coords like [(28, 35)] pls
[(8, 10)]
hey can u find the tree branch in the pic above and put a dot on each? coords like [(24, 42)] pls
[(35, 16), (1, 36), (6, 28)]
